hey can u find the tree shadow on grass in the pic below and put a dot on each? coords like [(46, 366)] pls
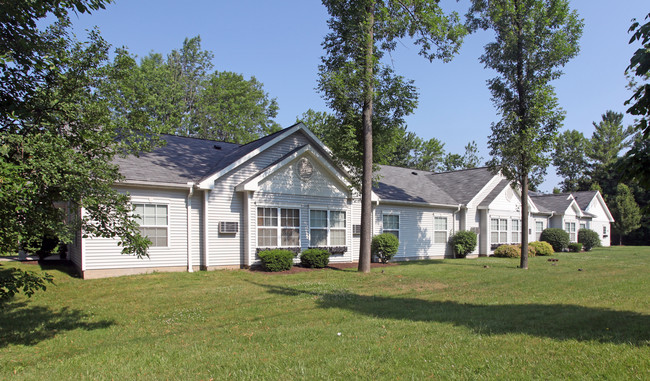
[(555, 321), (21, 324)]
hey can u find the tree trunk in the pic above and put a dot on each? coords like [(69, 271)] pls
[(366, 182), (524, 222)]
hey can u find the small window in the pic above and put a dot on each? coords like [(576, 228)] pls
[(539, 228), (499, 230), (440, 230), (152, 219), (570, 227), (391, 224), (583, 226)]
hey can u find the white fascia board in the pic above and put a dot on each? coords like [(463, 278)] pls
[(209, 182), (604, 206), (151, 184), (252, 183), (494, 181), (418, 203), (576, 207)]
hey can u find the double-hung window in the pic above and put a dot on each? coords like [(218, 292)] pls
[(391, 224), (539, 228), (570, 227), (499, 230), (327, 228), (440, 230), (278, 227), (153, 222), (516, 231)]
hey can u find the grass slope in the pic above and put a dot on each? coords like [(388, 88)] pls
[(451, 319)]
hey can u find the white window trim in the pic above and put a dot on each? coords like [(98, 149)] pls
[(398, 230), (165, 203), (279, 227), (328, 228), (446, 230), (512, 230)]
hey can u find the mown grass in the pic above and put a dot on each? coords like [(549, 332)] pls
[(451, 319)]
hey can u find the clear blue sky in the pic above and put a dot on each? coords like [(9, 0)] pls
[(279, 42)]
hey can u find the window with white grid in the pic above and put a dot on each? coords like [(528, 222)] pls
[(440, 230), (153, 222)]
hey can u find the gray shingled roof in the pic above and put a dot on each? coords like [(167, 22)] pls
[(179, 161), (553, 202), (242, 151), (494, 193), (404, 184), (447, 188), (584, 198), (462, 185)]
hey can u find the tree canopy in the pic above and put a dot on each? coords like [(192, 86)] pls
[(353, 80), (181, 95), (58, 137), (533, 39)]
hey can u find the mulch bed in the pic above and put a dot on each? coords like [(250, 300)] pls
[(332, 266)]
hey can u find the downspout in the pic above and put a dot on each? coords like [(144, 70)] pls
[(189, 226), (453, 216)]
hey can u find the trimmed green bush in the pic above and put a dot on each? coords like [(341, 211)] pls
[(507, 251), (513, 251), (276, 260), (575, 247), (384, 246), (558, 238), (542, 248), (315, 258), (463, 243), (588, 238)]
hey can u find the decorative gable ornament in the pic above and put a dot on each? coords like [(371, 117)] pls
[(304, 169)]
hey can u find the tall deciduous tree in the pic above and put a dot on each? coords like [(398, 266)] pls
[(626, 212), (570, 160), (57, 138), (361, 31), (534, 38), (181, 95), (637, 163)]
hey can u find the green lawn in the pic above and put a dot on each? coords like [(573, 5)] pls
[(451, 319)]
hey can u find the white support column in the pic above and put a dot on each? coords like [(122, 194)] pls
[(189, 226), (206, 230)]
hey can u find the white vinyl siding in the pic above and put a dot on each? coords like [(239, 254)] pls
[(440, 230), (391, 224)]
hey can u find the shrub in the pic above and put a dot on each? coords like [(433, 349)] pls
[(513, 251), (588, 238), (276, 260), (384, 246), (316, 258), (507, 251), (575, 247), (463, 243), (542, 248), (558, 238)]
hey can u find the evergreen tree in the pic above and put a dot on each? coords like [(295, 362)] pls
[(626, 212)]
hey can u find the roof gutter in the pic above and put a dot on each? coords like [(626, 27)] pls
[(152, 184), (418, 203)]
